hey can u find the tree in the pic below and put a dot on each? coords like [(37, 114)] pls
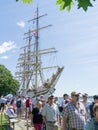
[(7, 83), (67, 4)]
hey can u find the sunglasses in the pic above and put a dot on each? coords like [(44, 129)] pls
[(51, 98), (76, 95), (84, 96)]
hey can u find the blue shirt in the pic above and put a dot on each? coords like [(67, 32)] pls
[(91, 109), (91, 124)]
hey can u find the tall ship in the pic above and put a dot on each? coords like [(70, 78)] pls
[(35, 76)]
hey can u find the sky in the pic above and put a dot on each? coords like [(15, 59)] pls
[(74, 34)]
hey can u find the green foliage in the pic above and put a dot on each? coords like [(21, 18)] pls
[(7, 83), (65, 4), (84, 4), (68, 3), (26, 1)]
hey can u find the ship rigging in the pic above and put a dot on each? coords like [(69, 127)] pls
[(30, 65)]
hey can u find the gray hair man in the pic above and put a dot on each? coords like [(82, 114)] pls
[(50, 114), (74, 114)]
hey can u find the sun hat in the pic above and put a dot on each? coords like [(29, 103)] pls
[(74, 93)]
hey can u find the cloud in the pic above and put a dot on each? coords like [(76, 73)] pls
[(21, 24), (4, 57), (7, 46), (13, 51)]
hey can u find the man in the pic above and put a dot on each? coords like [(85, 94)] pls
[(65, 97), (85, 100), (95, 97), (74, 114), (50, 114), (19, 105), (86, 103), (28, 102)]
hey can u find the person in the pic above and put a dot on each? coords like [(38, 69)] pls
[(65, 97), (74, 114), (41, 97), (13, 103), (90, 107), (19, 105), (50, 114), (28, 102), (92, 124), (3, 101), (63, 104), (37, 117), (56, 100), (43, 104), (86, 103), (10, 111), (61, 109), (85, 100)]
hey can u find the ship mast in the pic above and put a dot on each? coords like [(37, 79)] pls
[(37, 36), (36, 31)]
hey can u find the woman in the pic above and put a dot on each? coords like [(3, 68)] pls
[(92, 124), (10, 111), (37, 118)]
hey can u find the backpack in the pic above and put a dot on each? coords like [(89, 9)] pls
[(60, 108), (18, 104)]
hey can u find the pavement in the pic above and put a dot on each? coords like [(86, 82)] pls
[(23, 124), (20, 124)]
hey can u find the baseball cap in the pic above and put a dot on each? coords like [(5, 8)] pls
[(41, 96), (95, 97), (74, 93), (85, 95), (51, 96)]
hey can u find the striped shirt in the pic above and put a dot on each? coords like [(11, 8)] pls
[(75, 116)]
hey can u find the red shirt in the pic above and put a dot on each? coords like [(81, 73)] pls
[(28, 101)]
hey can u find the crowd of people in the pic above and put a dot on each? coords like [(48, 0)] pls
[(73, 113)]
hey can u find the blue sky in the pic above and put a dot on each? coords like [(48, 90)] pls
[(74, 35)]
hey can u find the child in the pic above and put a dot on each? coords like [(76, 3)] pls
[(92, 124)]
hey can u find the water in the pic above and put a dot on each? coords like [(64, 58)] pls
[(90, 98)]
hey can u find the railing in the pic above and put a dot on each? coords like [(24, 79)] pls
[(5, 124)]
